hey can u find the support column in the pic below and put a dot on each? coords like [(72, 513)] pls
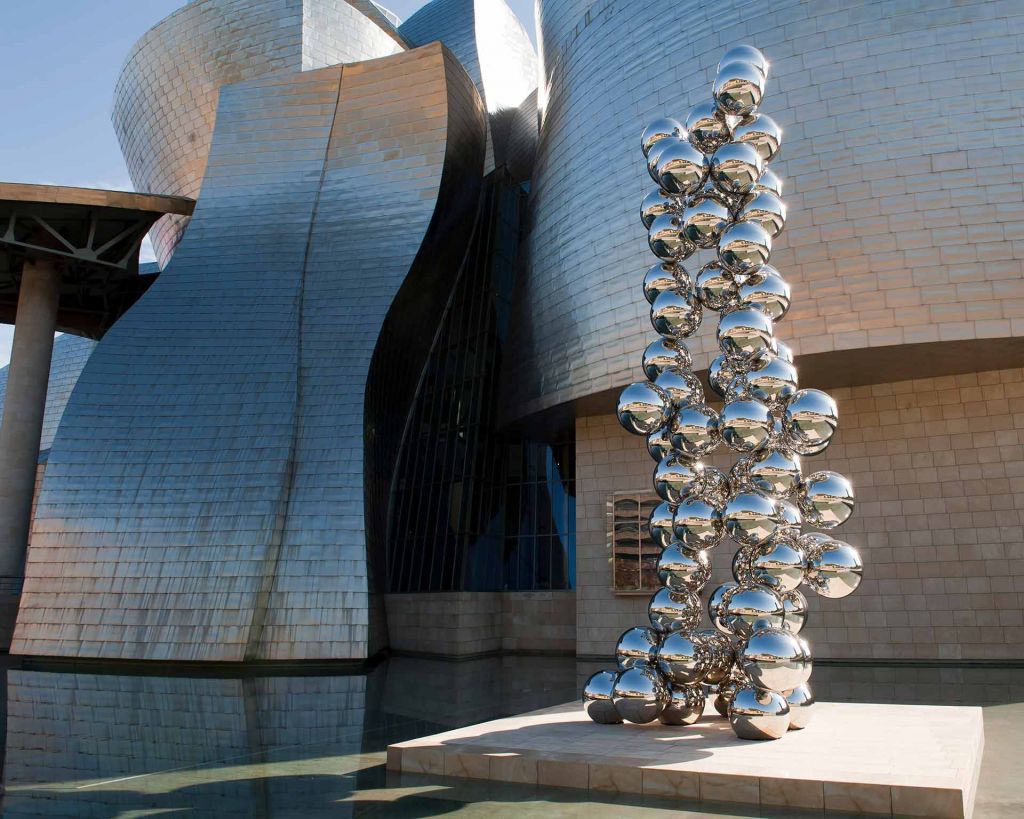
[(22, 424)]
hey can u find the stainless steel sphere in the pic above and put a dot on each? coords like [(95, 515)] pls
[(637, 645), (746, 608), (770, 292), (704, 220), (810, 420), (643, 408), (715, 288), (716, 486), (683, 569), (675, 314), (772, 380), (654, 156), (707, 128), (695, 430), (698, 524), (715, 605), (659, 129), (597, 698), (675, 478), (772, 471), (743, 247), (735, 168), (722, 655), (761, 131), (682, 169), (751, 518), (745, 54), (745, 333), (741, 564), (781, 567), (684, 658), (826, 499), (674, 610), (639, 694), (665, 237), (738, 88), (682, 386), (784, 351), (661, 277), (727, 688), (773, 658), (800, 701), (758, 714), (659, 443), (792, 520), (795, 605), (766, 209), (769, 181), (745, 425), (720, 374), (659, 524), (835, 570), (685, 705), (655, 204), (663, 353)]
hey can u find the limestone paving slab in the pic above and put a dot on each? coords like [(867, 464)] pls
[(902, 760)]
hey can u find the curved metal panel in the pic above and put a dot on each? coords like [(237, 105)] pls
[(204, 497), (165, 99), (884, 155)]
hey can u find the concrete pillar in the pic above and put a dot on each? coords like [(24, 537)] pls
[(24, 405)]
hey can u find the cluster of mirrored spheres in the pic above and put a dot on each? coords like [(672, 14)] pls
[(717, 195)]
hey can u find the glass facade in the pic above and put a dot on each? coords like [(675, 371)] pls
[(472, 508), (634, 553)]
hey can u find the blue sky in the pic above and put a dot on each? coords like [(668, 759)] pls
[(59, 60)]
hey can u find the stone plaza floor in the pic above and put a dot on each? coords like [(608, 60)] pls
[(95, 744)]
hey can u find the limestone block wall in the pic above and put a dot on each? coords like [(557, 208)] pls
[(901, 161), (938, 466)]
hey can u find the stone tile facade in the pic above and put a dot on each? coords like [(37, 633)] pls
[(938, 466)]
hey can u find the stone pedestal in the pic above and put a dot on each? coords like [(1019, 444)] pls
[(908, 760)]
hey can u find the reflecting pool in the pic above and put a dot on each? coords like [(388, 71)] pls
[(96, 744)]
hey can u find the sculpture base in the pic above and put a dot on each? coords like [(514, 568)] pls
[(909, 760)]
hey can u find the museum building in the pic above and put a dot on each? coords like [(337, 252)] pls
[(369, 400)]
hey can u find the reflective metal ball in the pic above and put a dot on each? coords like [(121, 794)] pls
[(675, 314), (661, 277), (758, 714), (735, 168), (826, 499), (674, 610), (773, 658), (720, 374), (772, 379), (597, 698), (773, 471), (659, 443), (707, 128), (810, 420), (715, 288), (695, 430), (683, 569), (780, 567), (766, 209), (746, 54), (746, 608), (738, 88), (659, 524), (835, 570), (769, 181), (745, 333), (666, 239), (751, 518), (698, 524), (643, 408), (800, 701), (655, 204), (770, 292), (683, 658), (639, 694), (682, 169), (704, 219), (745, 425), (761, 131), (663, 353), (796, 611), (685, 705), (716, 486), (743, 248), (715, 605), (659, 129), (637, 645), (682, 386), (675, 477)]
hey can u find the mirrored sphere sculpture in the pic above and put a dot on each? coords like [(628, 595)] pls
[(716, 197)]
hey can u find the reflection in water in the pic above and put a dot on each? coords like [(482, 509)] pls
[(106, 745)]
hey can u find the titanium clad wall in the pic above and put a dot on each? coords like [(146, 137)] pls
[(901, 157), (204, 497), (166, 485), (69, 356), (165, 99), (397, 204)]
